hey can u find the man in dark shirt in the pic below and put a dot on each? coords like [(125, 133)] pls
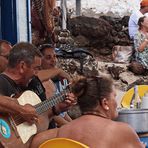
[(23, 64)]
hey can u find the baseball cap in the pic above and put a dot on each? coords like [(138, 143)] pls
[(144, 3)]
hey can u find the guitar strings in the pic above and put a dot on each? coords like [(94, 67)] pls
[(43, 106)]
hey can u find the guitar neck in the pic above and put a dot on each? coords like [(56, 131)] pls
[(49, 103)]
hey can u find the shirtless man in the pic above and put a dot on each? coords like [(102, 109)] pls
[(49, 61)]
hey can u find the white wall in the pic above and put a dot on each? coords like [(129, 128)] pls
[(109, 7), (21, 20), (23, 17)]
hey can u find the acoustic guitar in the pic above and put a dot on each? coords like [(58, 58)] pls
[(14, 132)]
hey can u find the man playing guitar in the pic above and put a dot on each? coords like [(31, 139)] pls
[(24, 61)]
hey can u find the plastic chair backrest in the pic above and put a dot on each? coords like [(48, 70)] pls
[(125, 102), (62, 143)]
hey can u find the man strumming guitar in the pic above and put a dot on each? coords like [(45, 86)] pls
[(23, 63)]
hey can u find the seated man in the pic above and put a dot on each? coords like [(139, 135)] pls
[(3, 63), (49, 61), (23, 63), (5, 48)]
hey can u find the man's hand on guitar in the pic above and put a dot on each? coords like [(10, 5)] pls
[(71, 99), (68, 102), (29, 114)]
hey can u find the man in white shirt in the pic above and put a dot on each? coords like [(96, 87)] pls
[(133, 20)]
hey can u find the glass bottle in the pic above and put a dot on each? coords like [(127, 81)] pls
[(136, 101)]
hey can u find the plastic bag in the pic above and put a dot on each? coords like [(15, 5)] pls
[(122, 54)]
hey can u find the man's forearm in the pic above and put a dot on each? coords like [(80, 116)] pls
[(47, 74), (52, 73), (6, 110), (9, 106)]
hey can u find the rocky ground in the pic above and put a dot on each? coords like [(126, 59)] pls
[(123, 78), (100, 37)]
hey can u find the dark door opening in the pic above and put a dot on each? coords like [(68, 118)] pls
[(0, 22)]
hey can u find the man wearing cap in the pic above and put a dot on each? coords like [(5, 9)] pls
[(133, 20)]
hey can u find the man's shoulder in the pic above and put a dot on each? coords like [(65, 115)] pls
[(2, 77), (136, 14), (121, 127), (5, 80), (3, 86)]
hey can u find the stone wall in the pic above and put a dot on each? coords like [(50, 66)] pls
[(105, 7), (101, 34)]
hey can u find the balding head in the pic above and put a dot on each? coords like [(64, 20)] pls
[(5, 48)]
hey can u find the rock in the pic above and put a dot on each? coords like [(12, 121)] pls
[(81, 41), (100, 33), (115, 71), (105, 51), (128, 77), (97, 31)]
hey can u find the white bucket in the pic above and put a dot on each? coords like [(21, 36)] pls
[(144, 103)]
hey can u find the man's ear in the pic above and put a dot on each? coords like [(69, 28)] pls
[(105, 104), (22, 66)]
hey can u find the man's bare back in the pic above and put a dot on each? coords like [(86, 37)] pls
[(99, 132)]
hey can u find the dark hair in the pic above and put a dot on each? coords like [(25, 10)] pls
[(1, 43), (141, 20), (142, 7), (91, 91), (44, 46), (22, 51)]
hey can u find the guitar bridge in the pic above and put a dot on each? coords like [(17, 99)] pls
[(12, 122)]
